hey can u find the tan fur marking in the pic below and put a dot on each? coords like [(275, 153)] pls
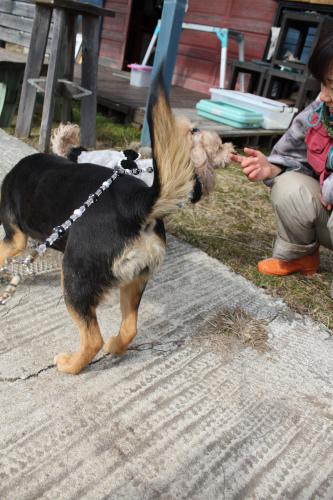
[(91, 342), (13, 247), (130, 296), (145, 253)]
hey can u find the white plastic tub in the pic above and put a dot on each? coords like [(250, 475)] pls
[(140, 75), (276, 115)]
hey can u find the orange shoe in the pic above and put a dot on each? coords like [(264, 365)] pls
[(306, 265)]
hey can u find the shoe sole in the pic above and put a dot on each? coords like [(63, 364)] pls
[(309, 272)]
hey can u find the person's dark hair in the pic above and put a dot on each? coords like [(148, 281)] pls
[(322, 56)]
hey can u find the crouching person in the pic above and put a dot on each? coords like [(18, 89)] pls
[(299, 171)]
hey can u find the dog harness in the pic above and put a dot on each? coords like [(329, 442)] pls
[(127, 166)]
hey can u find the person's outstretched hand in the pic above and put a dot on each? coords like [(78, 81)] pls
[(255, 165)]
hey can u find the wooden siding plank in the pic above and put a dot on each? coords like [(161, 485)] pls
[(18, 37), (115, 27), (111, 53), (18, 23), (211, 8), (18, 8), (254, 10), (114, 33)]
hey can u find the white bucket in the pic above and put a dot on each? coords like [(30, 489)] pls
[(140, 75)]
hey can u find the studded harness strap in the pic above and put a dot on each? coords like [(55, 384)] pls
[(127, 166)]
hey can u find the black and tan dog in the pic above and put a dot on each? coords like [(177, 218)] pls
[(118, 241)]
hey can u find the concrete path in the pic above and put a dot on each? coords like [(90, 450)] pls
[(183, 415)]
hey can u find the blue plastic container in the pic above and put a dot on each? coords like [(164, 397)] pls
[(234, 116)]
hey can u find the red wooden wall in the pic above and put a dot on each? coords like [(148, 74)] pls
[(114, 33), (198, 58)]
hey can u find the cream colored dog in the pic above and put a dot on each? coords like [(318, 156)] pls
[(208, 152)]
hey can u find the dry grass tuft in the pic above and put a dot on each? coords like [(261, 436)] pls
[(229, 328)]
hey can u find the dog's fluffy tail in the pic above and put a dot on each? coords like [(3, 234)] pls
[(64, 139), (171, 142), (171, 147)]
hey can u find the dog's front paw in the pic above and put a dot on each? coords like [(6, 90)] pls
[(112, 346), (65, 363)]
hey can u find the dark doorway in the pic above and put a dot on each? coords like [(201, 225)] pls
[(144, 17)]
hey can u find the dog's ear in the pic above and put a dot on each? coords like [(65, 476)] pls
[(74, 153), (211, 142), (196, 194), (202, 166), (129, 164), (131, 154)]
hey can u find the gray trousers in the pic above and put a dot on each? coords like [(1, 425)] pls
[(302, 222)]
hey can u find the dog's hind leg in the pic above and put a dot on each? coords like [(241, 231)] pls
[(91, 339), (91, 342), (13, 243), (130, 297)]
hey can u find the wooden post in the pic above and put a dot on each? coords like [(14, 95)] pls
[(166, 50), (51, 79), (33, 67), (90, 47), (69, 50)]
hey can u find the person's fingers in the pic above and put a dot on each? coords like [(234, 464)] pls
[(328, 206), (247, 162), (243, 161), (237, 158), (251, 169), (251, 152), (253, 176)]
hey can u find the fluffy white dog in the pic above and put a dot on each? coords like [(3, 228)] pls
[(208, 153)]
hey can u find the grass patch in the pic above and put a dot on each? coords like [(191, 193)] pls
[(109, 134), (236, 225)]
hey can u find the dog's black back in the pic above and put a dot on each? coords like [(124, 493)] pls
[(42, 191), (119, 240)]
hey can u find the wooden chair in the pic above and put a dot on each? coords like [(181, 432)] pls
[(256, 69), (16, 19), (61, 64), (298, 35), (11, 75), (279, 78)]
